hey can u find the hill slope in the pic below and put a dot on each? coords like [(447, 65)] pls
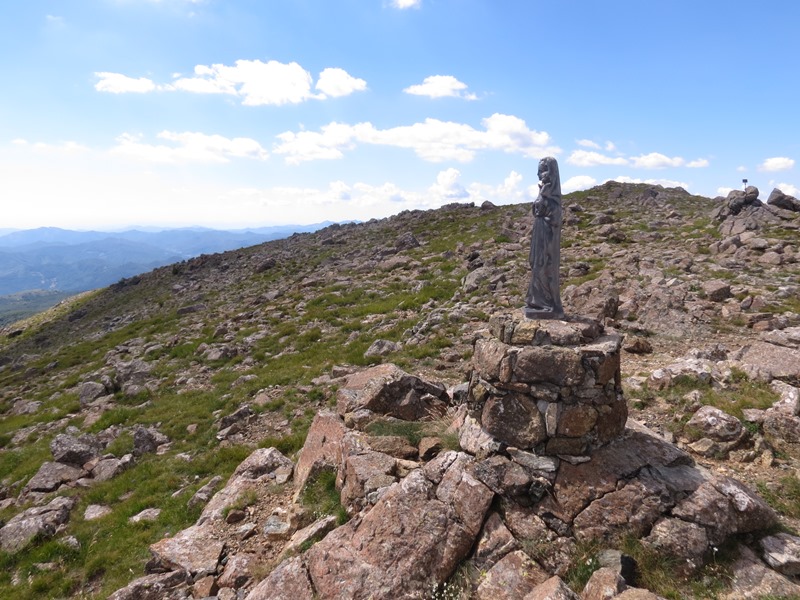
[(177, 349)]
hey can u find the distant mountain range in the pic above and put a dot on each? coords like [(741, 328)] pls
[(63, 260)]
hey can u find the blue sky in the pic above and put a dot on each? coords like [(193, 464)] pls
[(237, 113)]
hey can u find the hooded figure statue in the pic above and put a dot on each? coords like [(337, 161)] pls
[(543, 300)]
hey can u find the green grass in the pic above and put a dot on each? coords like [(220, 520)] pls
[(321, 497), (112, 550), (414, 431), (740, 394), (785, 499)]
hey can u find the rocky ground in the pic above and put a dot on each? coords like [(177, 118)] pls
[(126, 412)]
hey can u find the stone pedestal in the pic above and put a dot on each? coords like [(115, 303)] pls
[(552, 387)]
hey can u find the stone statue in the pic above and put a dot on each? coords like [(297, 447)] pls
[(543, 300)]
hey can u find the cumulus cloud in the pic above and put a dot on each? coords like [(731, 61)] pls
[(447, 187), (432, 140), (256, 82), (579, 182), (586, 158), (440, 86), (588, 144), (656, 160), (724, 191), (789, 189), (337, 82), (115, 83), (188, 147), (698, 164), (741, 169), (778, 163), (405, 4)]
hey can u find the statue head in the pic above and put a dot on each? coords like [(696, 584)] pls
[(550, 179)]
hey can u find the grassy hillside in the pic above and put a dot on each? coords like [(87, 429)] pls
[(264, 325)]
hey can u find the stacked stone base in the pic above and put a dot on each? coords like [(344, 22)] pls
[(549, 387)]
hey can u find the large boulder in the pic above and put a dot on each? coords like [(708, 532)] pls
[(195, 550), (388, 390), (781, 200), (51, 475), (322, 448), (74, 451), (765, 361), (40, 521)]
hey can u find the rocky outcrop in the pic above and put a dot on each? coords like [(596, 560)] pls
[(433, 512)]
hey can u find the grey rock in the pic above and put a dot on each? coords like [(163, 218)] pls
[(195, 550), (159, 586), (70, 450), (782, 552), (96, 511), (386, 389), (203, 495), (52, 475), (38, 521), (716, 424), (781, 200), (148, 514), (147, 440), (382, 348), (717, 290), (89, 391), (752, 579), (109, 468)]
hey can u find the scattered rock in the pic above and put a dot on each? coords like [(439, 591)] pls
[(35, 522)]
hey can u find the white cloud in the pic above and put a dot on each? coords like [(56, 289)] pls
[(741, 169), (588, 144), (432, 140), (586, 158), (440, 86), (610, 147), (55, 21), (68, 147), (189, 147), (724, 191), (789, 189), (698, 164), (404, 4), (661, 182), (257, 83), (447, 187), (579, 182), (655, 160), (326, 144), (778, 163), (337, 82), (116, 83)]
